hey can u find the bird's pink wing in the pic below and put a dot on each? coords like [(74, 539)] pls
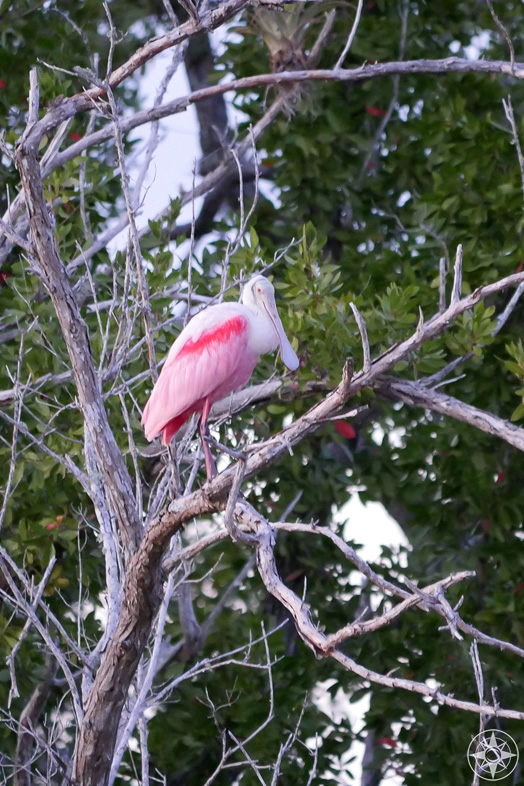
[(212, 363)]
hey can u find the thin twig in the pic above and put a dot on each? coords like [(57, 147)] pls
[(134, 239), (393, 104), (18, 396), (351, 35), (479, 679), (234, 532), (171, 14), (52, 646), (456, 291), (364, 336), (10, 660), (510, 116), (318, 46), (442, 285), (503, 318), (504, 33)]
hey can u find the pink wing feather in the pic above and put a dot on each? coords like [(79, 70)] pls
[(201, 364)]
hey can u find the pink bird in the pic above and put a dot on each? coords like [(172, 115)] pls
[(214, 355)]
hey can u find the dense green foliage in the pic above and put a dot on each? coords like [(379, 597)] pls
[(372, 211)]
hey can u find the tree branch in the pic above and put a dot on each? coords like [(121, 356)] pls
[(317, 640), (361, 74), (68, 108), (76, 337), (414, 393), (28, 721)]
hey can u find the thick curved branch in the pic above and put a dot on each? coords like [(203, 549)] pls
[(268, 452), (142, 597)]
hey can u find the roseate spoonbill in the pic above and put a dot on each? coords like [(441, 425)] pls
[(215, 354)]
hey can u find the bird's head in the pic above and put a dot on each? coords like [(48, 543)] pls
[(259, 296)]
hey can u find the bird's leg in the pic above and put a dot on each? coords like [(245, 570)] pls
[(203, 428)]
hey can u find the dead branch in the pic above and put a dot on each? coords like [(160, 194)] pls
[(68, 108), (10, 661), (503, 31), (456, 290), (266, 453), (360, 74), (76, 337), (316, 640), (415, 394), (393, 104), (28, 722), (351, 36), (358, 627), (137, 598), (508, 110), (18, 599), (364, 337)]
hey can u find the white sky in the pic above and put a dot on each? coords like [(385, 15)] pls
[(179, 149)]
